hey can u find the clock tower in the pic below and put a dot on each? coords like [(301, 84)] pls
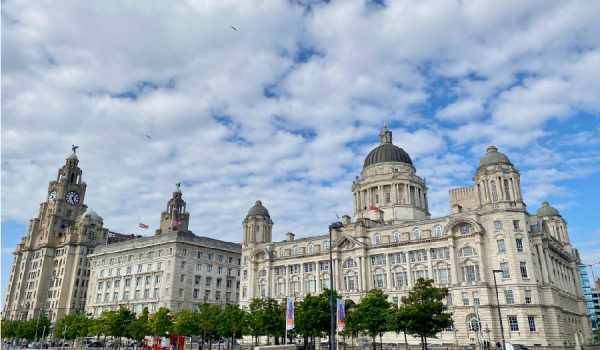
[(50, 270)]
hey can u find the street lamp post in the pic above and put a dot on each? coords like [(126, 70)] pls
[(334, 226), (499, 313)]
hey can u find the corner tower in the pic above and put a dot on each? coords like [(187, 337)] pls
[(388, 188), (175, 218), (257, 225)]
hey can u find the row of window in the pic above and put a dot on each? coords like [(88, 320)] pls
[(162, 252), (509, 298)]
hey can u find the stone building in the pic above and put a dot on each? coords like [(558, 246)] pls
[(392, 240), (174, 268), (51, 270)]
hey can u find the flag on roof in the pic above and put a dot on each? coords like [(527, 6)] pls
[(176, 222), (144, 225), (112, 234), (376, 208)]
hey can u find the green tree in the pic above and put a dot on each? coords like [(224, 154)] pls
[(186, 323), (120, 322), (266, 317), (208, 323), (372, 314), (75, 325), (9, 328), (426, 313), (140, 326), (313, 317), (26, 329), (231, 325), (398, 321), (160, 323), (253, 319)]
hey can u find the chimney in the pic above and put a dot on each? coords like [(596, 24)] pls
[(346, 220), (289, 236)]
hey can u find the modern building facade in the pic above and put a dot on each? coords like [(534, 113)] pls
[(392, 240), (590, 294), (51, 269), (174, 268)]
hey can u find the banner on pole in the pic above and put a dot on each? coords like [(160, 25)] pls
[(341, 315), (289, 313)]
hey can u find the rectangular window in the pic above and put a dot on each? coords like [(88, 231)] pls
[(138, 281), (465, 229), (509, 297), (498, 225), (197, 279), (350, 282), (208, 268), (527, 296), (516, 224), (523, 268), (501, 246), (148, 279), (519, 243), (157, 279), (449, 299), (465, 298), (156, 293), (208, 281), (183, 264), (195, 293), (219, 282), (324, 265), (443, 276), (505, 271), (219, 270), (378, 259), (182, 278), (513, 323), (159, 265), (400, 279), (210, 256), (506, 190), (476, 300), (199, 255), (146, 293), (244, 292), (531, 321), (379, 280)]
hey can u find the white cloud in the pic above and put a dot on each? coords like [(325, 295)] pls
[(498, 73)]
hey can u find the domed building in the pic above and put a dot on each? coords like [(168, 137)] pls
[(391, 240)]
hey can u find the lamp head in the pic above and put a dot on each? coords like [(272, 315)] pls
[(496, 271), (336, 225)]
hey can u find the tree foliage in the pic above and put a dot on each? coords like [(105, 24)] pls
[(424, 312), (140, 326), (72, 326), (231, 323), (371, 315), (9, 328), (208, 323), (160, 323)]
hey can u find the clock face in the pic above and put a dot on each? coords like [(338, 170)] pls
[(72, 198), (52, 197)]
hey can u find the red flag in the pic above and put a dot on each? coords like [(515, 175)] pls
[(144, 225), (373, 207), (175, 222)]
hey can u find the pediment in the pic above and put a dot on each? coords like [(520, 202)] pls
[(347, 242)]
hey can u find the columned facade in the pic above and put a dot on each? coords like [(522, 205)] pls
[(393, 241)]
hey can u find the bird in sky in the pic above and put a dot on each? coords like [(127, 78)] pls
[(232, 27), (148, 136)]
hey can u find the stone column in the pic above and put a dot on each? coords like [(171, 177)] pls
[(542, 261), (366, 273), (360, 274), (481, 260), (454, 267), (429, 264), (389, 272), (409, 279), (549, 265)]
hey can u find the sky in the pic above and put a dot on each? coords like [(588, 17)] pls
[(282, 100)]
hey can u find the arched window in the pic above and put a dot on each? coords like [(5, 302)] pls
[(311, 248), (416, 234), (281, 252), (325, 245), (396, 236), (377, 239), (296, 250), (437, 231), (464, 229), (349, 264), (473, 323)]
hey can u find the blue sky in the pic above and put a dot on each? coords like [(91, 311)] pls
[(286, 108)]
